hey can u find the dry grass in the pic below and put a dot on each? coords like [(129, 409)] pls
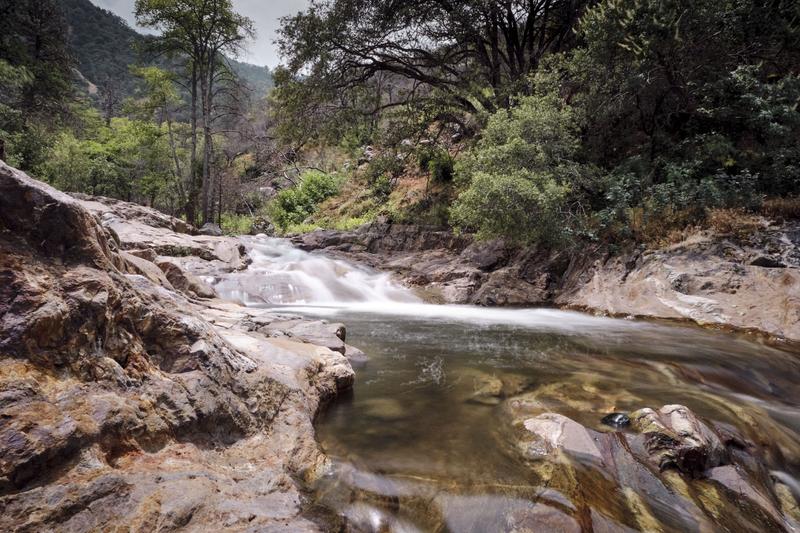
[(735, 222), (787, 208), (664, 229)]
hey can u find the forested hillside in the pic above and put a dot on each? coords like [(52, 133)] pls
[(105, 47)]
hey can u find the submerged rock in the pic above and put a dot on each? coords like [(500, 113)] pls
[(672, 472), (616, 420)]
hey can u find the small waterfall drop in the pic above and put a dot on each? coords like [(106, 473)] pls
[(281, 274)]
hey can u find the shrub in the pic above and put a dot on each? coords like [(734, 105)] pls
[(293, 206), (736, 222), (441, 168), (233, 224), (521, 173), (516, 206), (381, 174), (782, 208)]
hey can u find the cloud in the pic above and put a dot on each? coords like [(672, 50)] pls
[(265, 15)]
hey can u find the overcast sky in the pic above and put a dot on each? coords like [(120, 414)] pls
[(265, 14)]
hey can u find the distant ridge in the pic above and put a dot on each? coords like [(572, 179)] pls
[(104, 46)]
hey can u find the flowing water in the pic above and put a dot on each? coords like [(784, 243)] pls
[(428, 439)]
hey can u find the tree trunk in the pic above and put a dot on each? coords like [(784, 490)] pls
[(208, 145), (191, 200)]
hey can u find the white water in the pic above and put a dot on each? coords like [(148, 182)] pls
[(283, 276)]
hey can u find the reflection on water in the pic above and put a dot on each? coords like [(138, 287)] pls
[(426, 441)]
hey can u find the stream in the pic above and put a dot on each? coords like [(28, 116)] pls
[(428, 439)]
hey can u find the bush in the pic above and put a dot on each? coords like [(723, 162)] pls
[(736, 222), (782, 208), (381, 174), (441, 168), (293, 206), (521, 173), (516, 206), (233, 224)]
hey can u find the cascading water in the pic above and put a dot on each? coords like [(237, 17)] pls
[(428, 441), (281, 274)]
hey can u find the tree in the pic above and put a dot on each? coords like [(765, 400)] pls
[(471, 56), (200, 31), (36, 82)]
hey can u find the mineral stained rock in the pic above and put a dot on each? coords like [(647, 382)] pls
[(126, 403)]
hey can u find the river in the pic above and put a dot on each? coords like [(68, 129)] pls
[(427, 440)]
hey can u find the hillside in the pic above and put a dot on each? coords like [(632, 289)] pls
[(104, 46)]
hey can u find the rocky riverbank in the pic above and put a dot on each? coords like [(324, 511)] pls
[(711, 279), (130, 397)]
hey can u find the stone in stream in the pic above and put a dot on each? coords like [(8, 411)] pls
[(673, 471), (675, 437), (616, 420)]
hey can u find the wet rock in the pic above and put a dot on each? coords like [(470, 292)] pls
[(675, 437), (688, 495), (559, 433), (616, 420)]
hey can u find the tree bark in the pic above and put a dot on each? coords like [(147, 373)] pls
[(191, 200)]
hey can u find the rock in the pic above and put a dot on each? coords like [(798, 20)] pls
[(146, 268), (209, 228), (490, 389), (127, 405), (583, 463), (616, 420), (488, 255), (767, 262), (702, 279), (559, 433), (356, 357), (674, 437), (184, 281)]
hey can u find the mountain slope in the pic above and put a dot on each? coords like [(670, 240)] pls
[(105, 46)]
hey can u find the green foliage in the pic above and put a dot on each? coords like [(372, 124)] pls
[(519, 207), (130, 160), (233, 224), (36, 79), (521, 173), (438, 163), (381, 174), (294, 205)]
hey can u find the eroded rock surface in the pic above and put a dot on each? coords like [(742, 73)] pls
[(673, 472), (126, 401)]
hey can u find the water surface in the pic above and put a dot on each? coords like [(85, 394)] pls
[(428, 438)]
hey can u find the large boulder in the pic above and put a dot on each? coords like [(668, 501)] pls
[(123, 404)]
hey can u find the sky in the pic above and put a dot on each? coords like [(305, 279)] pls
[(265, 15)]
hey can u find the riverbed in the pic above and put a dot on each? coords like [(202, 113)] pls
[(428, 438)]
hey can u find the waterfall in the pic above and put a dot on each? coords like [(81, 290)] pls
[(281, 274)]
